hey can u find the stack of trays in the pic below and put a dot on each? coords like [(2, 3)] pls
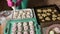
[(48, 16), (23, 22)]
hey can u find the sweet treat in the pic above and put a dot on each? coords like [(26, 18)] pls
[(53, 19), (19, 24), (40, 17), (31, 27), (55, 10), (32, 32), (19, 28), (58, 14), (25, 28), (57, 30), (15, 15), (19, 17), (28, 12), (51, 32), (53, 29), (21, 12), (39, 14), (28, 16), (58, 18), (44, 11), (19, 32), (30, 23), (44, 15), (25, 24), (43, 20), (39, 10), (54, 15), (25, 32), (13, 29), (47, 18), (48, 14), (23, 16), (49, 10)]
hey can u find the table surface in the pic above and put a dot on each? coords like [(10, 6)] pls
[(2, 28)]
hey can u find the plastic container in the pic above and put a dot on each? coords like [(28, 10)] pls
[(8, 28), (23, 14)]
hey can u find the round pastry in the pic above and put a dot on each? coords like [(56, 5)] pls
[(25, 24), (19, 17), (28, 13), (19, 32), (31, 27), (39, 14), (20, 12), (28, 16), (31, 23), (19, 24), (32, 32), (58, 18), (53, 19), (23, 16), (42, 20), (39, 10), (54, 15), (19, 28), (48, 14), (44, 15), (52, 27), (47, 18), (49, 10), (15, 14), (25, 28), (25, 32), (58, 14), (13, 29), (44, 11), (40, 17), (57, 30), (51, 32), (55, 10)]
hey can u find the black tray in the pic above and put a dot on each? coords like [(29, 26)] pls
[(45, 7)]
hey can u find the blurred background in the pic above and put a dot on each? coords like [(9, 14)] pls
[(31, 3)]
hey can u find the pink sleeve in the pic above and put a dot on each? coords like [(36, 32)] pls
[(10, 3)]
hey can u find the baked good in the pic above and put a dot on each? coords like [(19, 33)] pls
[(39, 10), (47, 18)]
